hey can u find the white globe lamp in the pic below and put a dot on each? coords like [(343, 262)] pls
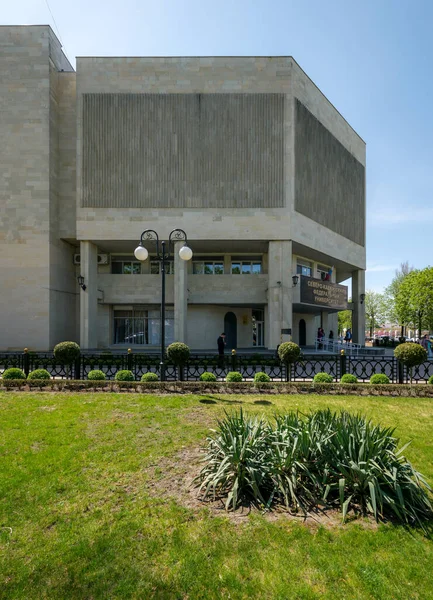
[(141, 253), (185, 253)]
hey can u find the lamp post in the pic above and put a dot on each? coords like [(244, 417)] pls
[(162, 256)]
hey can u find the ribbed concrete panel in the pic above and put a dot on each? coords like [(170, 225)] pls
[(182, 150), (329, 180)]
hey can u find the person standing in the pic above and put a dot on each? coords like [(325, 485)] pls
[(221, 341), (348, 336)]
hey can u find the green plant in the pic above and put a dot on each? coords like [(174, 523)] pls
[(66, 352), (261, 378), (289, 352), (96, 375), (124, 375), (323, 378), (149, 377), (178, 353), (235, 461), (39, 374), (208, 377), (335, 459), (348, 378), (234, 377), (379, 378), (430, 380), (13, 373), (410, 355)]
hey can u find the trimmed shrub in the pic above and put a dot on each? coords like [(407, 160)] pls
[(66, 352), (379, 378), (124, 375), (178, 353), (261, 378), (39, 374), (96, 375), (289, 352), (234, 377), (348, 378), (410, 355), (323, 378), (149, 377), (208, 377), (430, 380), (13, 373)]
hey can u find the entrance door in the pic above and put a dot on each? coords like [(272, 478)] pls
[(302, 333), (231, 330), (258, 327)]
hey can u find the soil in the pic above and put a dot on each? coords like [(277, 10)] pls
[(174, 478)]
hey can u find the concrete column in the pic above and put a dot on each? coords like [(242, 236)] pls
[(279, 292), (89, 296), (180, 295), (227, 264), (358, 313), (325, 322)]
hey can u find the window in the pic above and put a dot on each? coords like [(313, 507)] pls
[(155, 267), (303, 267), (246, 267), (125, 267), (207, 267), (324, 273), (138, 326)]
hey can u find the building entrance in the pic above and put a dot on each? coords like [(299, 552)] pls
[(231, 330), (302, 333)]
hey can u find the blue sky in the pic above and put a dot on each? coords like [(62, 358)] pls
[(372, 59)]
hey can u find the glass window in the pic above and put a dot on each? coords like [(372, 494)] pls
[(125, 267), (207, 267), (155, 267), (303, 267), (246, 267), (142, 327)]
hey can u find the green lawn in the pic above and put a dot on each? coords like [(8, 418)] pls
[(81, 516)]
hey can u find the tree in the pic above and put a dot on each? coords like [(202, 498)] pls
[(398, 312), (414, 299), (375, 310), (344, 321)]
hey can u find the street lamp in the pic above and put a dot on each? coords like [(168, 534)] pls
[(163, 255)]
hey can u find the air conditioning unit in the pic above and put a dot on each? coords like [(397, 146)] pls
[(103, 259)]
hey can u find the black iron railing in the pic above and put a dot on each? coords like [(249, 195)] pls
[(363, 367)]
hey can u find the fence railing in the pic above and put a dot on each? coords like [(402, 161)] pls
[(363, 367)]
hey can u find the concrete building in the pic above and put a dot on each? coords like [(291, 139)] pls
[(243, 153)]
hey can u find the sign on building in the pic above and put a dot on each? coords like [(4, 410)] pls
[(323, 293)]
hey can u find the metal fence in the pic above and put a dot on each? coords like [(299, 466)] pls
[(363, 367)]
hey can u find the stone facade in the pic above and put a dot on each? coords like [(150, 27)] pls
[(93, 158)]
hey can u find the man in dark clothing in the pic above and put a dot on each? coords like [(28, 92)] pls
[(221, 343)]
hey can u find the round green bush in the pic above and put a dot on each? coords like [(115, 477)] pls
[(430, 380), (234, 377), (66, 352), (208, 376), (39, 374), (261, 378), (149, 377), (14, 373), (348, 378), (124, 376), (410, 354), (96, 375), (289, 352), (178, 353), (323, 378), (379, 378)]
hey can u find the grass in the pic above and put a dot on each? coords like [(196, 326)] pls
[(80, 519)]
